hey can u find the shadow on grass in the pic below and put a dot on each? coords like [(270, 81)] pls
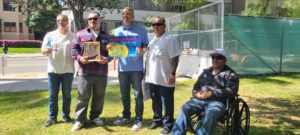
[(22, 100), (281, 111), (268, 78), (254, 130), (110, 127)]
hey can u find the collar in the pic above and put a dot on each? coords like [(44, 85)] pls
[(130, 27)]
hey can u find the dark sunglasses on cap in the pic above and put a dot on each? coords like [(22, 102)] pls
[(156, 24), (94, 19), (218, 57)]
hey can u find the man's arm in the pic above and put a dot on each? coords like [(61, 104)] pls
[(231, 87), (172, 76), (76, 50)]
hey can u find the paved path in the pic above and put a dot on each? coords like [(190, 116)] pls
[(37, 80), (28, 81)]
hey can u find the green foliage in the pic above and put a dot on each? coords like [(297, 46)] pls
[(277, 8), (188, 4), (148, 21), (42, 13)]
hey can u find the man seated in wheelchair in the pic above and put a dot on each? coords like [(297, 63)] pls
[(213, 87)]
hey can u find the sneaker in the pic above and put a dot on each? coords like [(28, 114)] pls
[(121, 121), (165, 131), (67, 119), (49, 123), (98, 121), (76, 126), (137, 126), (154, 125)]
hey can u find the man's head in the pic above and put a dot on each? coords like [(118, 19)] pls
[(94, 21), (127, 16), (219, 58), (62, 21), (159, 26)]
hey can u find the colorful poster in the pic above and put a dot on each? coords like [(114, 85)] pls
[(123, 46), (92, 51)]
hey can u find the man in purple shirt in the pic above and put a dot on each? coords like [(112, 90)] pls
[(92, 74)]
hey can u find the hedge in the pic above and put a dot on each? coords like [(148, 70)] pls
[(21, 43)]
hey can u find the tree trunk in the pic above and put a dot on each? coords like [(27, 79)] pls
[(265, 6)]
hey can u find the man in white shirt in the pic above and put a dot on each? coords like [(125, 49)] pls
[(163, 56)]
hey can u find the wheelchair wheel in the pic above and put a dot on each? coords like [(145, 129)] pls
[(238, 118), (195, 123)]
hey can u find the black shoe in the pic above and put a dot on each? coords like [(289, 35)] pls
[(50, 122), (154, 125), (165, 131), (67, 119)]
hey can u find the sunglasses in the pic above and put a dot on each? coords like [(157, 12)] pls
[(156, 24), (93, 19), (218, 57)]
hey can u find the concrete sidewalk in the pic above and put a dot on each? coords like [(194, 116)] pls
[(37, 81), (14, 82), (29, 81)]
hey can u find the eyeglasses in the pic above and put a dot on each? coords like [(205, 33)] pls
[(93, 19), (218, 57), (156, 24)]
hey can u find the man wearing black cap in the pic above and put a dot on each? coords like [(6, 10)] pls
[(213, 87)]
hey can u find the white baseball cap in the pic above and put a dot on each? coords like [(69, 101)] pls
[(219, 52)]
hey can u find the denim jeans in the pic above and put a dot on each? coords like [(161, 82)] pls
[(213, 110), (127, 79), (88, 86), (54, 82), (162, 98)]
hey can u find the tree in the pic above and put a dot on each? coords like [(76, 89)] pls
[(277, 8), (39, 8), (79, 6), (40, 16), (188, 4)]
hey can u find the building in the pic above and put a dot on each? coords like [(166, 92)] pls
[(12, 23), (146, 8)]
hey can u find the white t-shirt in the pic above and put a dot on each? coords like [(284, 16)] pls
[(60, 60), (159, 59)]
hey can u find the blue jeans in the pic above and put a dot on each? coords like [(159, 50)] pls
[(213, 110), (162, 98), (54, 82), (90, 86), (127, 79)]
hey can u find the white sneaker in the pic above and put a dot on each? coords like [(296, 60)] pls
[(136, 126), (98, 121), (76, 126)]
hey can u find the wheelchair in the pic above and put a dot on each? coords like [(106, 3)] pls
[(234, 121)]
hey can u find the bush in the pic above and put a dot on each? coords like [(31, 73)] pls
[(21, 43)]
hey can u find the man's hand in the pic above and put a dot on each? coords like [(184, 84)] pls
[(203, 94), (103, 60), (140, 51), (110, 45), (84, 60), (46, 50), (171, 79)]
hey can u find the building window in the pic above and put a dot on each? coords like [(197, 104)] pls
[(10, 27), (21, 27), (29, 30), (127, 3), (7, 6)]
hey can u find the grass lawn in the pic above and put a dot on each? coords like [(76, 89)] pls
[(22, 50), (274, 104)]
